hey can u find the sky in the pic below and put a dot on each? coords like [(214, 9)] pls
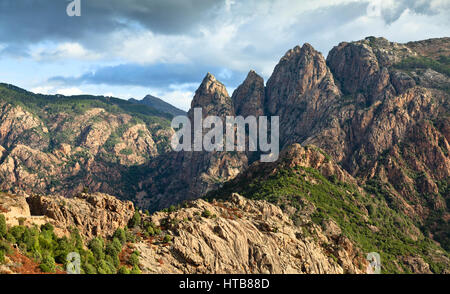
[(131, 48)]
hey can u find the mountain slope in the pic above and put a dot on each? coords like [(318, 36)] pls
[(201, 237), (310, 187), (159, 105), (380, 109), (61, 144)]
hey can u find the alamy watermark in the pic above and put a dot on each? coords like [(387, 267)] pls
[(235, 134), (74, 8), (73, 263), (374, 266)]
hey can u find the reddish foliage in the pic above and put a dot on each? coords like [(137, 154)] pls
[(29, 266), (3, 210), (125, 255)]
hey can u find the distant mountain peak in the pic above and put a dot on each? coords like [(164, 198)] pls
[(160, 105)]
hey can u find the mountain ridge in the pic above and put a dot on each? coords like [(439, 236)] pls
[(377, 111), (159, 104)]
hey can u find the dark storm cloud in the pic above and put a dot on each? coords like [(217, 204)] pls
[(158, 75), (26, 21)]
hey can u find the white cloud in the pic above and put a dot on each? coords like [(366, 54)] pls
[(42, 90), (62, 51), (69, 91), (178, 98), (251, 34)]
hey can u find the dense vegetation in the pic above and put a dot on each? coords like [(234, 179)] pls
[(356, 213), (442, 64), (44, 105), (100, 256)]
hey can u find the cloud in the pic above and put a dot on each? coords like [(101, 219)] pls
[(63, 51), (391, 10), (166, 47), (157, 75), (38, 20), (70, 91)]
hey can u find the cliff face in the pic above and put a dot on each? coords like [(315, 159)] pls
[(94, 215), (248, 98), (245, 236), (300, 91), (178, 176)]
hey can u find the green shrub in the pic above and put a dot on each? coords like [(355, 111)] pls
[(5, 247), (206, 213), (89, 269), (150, 231), (113, 260), (134, 259), (10, 238), (47, 264), (3, 228), (17, 232), (120, 235), (135, 220), (126, 151), (62, 250), (410, 63), (105, 268), (123, 270), (135, 271), (76, 239), (47, 240), (97, 248), (167, 239), (47, 227), (116, 245), (130, 236)]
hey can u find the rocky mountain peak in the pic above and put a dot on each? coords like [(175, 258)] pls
[(295, 52), (299, 90), (363, 67), (298, 72), (248, 98), (212, 96)]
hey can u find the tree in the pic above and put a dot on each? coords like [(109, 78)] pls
[(47, 264), (123, 270), (62, 250), (96, 246), (89, 269), (134, 259), (120, 235), (3, 228), (135, 220), (136, 270), (47, 227), (167, 238), (114, 247)]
